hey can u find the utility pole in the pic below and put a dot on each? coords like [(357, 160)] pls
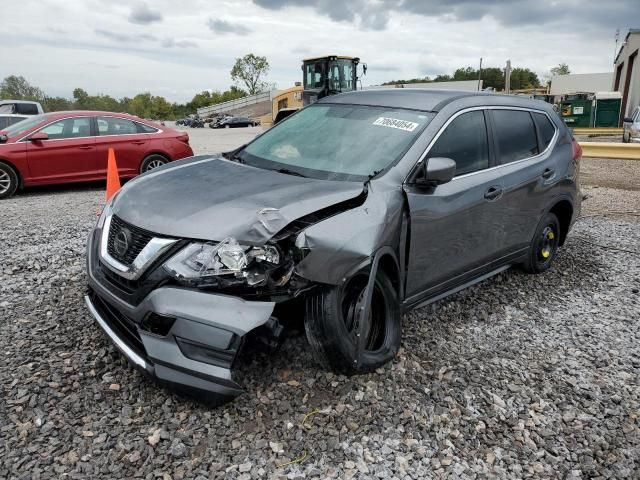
[(480, 75), (507, 78)]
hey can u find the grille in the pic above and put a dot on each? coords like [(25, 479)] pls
[(139, 239), (127, 286), (123, 325)]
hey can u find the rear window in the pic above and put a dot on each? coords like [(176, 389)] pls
[(545, 128), (116, 126), (516, 135), (142, 128), (27, 109)]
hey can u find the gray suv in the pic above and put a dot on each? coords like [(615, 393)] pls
[(362, 206)]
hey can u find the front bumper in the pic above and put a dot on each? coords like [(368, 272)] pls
[(182, 337)]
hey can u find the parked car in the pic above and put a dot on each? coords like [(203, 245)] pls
[(197, 123), (67, 147), (20, 107), (363, 205), (7, 119), (233, 122), (631, 127)]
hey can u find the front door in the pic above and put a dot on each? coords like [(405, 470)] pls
[(68, 155), (455, 228)]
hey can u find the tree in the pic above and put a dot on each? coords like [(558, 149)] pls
[(17, 88), (522, 78), (561, 69), (249, 70)]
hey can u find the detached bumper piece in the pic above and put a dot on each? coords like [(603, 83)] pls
[(163, 348)]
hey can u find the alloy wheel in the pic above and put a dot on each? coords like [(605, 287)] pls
[(154, 164), (5, 182)]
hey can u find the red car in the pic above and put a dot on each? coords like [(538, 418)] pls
[(68, 147)]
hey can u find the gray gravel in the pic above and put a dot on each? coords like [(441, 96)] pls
[(522, 376)]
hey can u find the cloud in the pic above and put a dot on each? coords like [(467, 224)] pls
[(123, 37), (143, 15), (375, 14), (368, 14), (172, 42), (222, 27)]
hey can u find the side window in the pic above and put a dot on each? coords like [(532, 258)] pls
[(515, 134), (69, 128), (142, 128), (546, 129), (465, 142), (637, 116), (115, 126)]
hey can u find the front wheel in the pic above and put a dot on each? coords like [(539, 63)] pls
[(152, 161), (544, 246), (8, 181), (335, 324)]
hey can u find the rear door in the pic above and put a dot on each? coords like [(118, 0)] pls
[(68, 155), (455, 227), (128, 143), (529, 169)]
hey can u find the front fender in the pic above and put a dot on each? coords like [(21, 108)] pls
[(339, 245)]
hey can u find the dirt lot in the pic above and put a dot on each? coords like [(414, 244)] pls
[(519, 377)]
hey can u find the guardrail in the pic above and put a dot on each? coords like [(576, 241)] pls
[(234, 104), (626, 151), (597, 131)]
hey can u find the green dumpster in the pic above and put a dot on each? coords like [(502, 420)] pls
[(607, 112), (576, 112)]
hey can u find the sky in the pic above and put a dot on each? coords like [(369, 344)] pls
[(176, 49)]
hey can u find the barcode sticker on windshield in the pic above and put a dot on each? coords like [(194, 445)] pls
[(396, 123)]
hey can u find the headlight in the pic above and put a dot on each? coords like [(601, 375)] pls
[(200, 260)]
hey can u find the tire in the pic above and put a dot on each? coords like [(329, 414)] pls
[(330, 324), (626, 137), (9, 181), (153, 161), (544, 245), (227, 126)]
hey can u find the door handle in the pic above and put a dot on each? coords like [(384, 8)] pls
[(493, 193), (138, 142), (548, 173), (86, 147)]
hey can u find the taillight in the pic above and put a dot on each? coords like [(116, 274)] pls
[(576, 150), (184, 138)]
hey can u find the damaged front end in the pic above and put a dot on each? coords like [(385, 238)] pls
[(181, 310)]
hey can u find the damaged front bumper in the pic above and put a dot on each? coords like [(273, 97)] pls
[(185, 338)]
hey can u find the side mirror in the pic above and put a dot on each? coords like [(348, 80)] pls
[(436, 171), (39, 136), (3, 138), (627, 120)]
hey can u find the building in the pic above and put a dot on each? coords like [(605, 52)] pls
[(467, 85), (627, 73), (580, 83)]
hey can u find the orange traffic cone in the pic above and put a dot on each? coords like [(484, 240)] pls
[(113, 179)]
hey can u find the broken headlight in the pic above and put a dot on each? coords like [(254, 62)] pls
[(201, 260)]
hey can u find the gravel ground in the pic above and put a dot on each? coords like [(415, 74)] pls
[(521, 376)]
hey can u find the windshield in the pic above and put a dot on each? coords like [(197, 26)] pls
[(337, 142), (341, 75), (314, 75), (25, 125), (7, 108)]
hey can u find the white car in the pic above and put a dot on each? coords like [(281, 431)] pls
[(8, 119), (631, 132), (20, 107)]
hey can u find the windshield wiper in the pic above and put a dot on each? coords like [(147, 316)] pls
[(289, 172)]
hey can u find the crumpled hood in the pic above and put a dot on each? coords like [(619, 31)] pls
[(213, 198)]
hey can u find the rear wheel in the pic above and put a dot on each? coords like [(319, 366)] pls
[(334, 324), (8, 181), (153, 161), (544, 246)]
